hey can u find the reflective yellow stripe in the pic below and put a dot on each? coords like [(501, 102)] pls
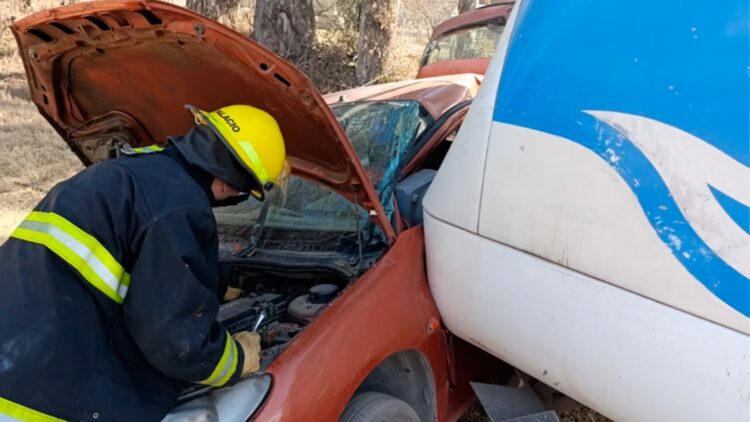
[(227, 365), (23, 413), (79, 249), (149, 149), (258, 167), (128, 150), (243, 150)]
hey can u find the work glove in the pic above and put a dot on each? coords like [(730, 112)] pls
[(250, 343), (232, 293)]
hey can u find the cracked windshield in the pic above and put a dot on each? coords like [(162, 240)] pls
[(312, 218)]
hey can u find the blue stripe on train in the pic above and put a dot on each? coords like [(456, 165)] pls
[(683, 63)]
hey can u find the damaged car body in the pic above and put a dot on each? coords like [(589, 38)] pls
[(333, 271)]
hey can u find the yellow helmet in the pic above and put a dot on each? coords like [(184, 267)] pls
[(251, 135)]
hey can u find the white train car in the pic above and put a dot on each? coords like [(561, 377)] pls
[(590, 225)]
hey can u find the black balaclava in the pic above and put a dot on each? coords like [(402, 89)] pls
[(203, 178), (202, 149)]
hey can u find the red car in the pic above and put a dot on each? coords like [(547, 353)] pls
[(465, 43), (335, 275)]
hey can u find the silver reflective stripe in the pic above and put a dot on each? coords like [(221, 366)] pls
[(122, 290), (229, 363), (82, 251)]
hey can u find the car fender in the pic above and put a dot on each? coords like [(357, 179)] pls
[(388, 310)]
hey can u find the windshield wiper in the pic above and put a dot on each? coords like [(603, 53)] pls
[(257, 231)]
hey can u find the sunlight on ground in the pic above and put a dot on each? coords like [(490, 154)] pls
[(33, 157), (8, 221)]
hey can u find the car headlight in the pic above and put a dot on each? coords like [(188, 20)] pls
[(232, 404)]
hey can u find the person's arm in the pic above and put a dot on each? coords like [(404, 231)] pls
[(170, 309)]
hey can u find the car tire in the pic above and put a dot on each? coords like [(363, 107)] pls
[(378, 407)]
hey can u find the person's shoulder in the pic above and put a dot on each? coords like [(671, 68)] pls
[(103, 176), (165, 185)]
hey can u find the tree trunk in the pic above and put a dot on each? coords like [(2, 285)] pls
[(466, 5), (286, 27), (377, 19), (212, 8)]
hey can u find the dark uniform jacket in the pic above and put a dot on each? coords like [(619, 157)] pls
[(109, 293)]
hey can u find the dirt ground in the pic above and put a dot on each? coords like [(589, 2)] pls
[(32, 156)]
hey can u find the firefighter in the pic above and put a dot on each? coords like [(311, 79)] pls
[(110, 286)]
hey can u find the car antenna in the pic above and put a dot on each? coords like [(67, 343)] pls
[(359, 231)]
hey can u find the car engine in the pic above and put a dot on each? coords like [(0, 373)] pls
[(276, 305)]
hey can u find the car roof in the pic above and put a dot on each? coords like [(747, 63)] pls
[(472, 18), (437, 95)]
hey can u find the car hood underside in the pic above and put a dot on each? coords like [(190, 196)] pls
[(120, 72)]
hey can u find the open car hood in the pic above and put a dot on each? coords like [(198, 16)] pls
[(119, 72)]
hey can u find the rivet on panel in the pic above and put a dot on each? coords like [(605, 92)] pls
[(433, 325)]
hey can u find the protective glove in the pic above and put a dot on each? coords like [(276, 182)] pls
[(250, 343), (232, 293)]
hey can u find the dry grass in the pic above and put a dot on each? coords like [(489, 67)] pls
[(32, 156), (405, 56)]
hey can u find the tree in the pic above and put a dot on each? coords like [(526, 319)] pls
[(466, 5), (425, 15), (286, 27), (212, 8), (377, 19)]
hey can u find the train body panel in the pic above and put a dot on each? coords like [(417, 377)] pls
[(607, 251)]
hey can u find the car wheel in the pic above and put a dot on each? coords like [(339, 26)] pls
[(378, 407)]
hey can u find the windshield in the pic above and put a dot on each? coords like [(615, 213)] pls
[(470, 43), (380, 132), (313, 218), (309, 218)]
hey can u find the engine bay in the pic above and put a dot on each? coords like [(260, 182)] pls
[(277, 304)]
